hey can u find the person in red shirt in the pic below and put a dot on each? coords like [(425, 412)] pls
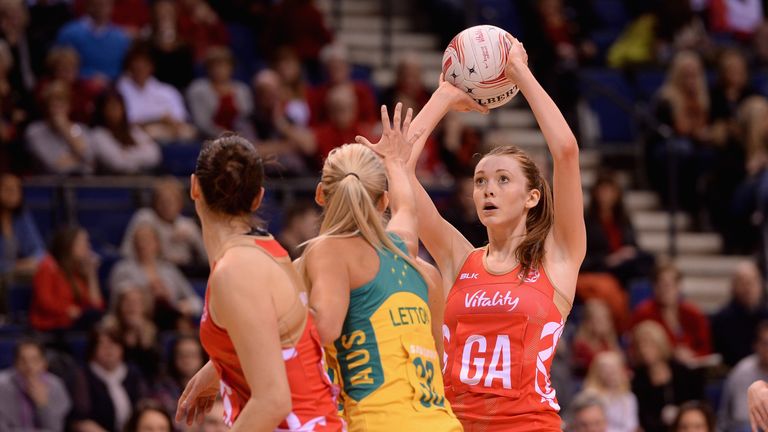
[(686, 326), (66, 292), (342, 125), (338, 72), (266, 358), (508, 301)]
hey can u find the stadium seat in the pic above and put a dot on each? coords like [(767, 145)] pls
[(105, 212), (78, 346), (611, 13), (648, 82), (6, 352), (180, 159), (639, 291), (43, 204), (199, 286), (19, 302), (612, 100)]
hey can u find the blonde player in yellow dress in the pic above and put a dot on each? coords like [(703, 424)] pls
[(370, 296)]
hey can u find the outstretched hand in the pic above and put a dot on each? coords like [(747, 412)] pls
[(395, 143)]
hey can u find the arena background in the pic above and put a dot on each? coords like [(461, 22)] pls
[(667, 97)]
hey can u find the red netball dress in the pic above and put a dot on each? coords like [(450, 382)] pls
[(500, 335), (312, 396)]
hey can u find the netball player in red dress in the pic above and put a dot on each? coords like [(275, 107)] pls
[(507, 302), (266, 360)]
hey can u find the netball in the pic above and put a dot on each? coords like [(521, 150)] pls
[(474, 62)]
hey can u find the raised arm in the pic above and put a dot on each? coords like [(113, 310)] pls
[(446, 244), (569, 233), (395, 151)]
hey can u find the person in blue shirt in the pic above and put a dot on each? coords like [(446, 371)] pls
[(100, 43), (21, 246)]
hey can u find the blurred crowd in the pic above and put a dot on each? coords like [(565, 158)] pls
[(107, 338)]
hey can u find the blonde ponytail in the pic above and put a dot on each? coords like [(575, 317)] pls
[(353, 181)]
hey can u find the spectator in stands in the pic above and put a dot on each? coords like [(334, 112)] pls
[(175, 301), (300, 25), (608, 379), (660, 383), (302, 222), (694, 416), (586, 414), (121, 148), (748, 202), (113, 386), (287, 65), (46, 18), (172, 56), (14, 113), (101, 45), (730, 90), (66, 293), (277, 137), (181, 241), (219, 103), (131, 15), (683, 106), (21, 246), (759, 49), (343, 123), (733, 415), (686, 327), (595, 334), (158, 108), (339, 74), (63, 65), (149, 417), (213, 420), (612, 247), (58, 144), (201, 27), (186, 357), (14, 23), (131, 315), (33, 399), (461, 213), (739, 17), (734, 326), (409, 85)]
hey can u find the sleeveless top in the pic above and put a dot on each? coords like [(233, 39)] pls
[(500, 335), (385, 358), (312, 395)]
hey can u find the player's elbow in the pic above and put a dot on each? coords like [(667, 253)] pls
[(277, 404), (567, 147), (328, 330)]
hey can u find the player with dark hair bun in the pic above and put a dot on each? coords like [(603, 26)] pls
[(266, 359)]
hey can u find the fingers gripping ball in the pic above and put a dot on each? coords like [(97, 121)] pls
[(474, 61)]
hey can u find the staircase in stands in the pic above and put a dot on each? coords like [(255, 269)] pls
[(705, 270)]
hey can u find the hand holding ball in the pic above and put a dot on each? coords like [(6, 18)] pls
[(476, 61)]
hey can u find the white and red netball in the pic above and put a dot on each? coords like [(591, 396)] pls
[(474, 62)]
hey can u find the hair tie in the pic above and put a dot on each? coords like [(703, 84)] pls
[(351, 174)]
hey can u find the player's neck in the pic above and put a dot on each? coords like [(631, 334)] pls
[(503, 242), (218, 231)]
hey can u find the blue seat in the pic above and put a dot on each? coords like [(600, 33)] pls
[(760, 82), (44, 205), (648, 82), (501, 13), (78, 346), (105, 227), (603, 40), (180, 159), (6, 352), (610, 97), (199, 286), (611, 13), (19, 302), (639, 291)]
